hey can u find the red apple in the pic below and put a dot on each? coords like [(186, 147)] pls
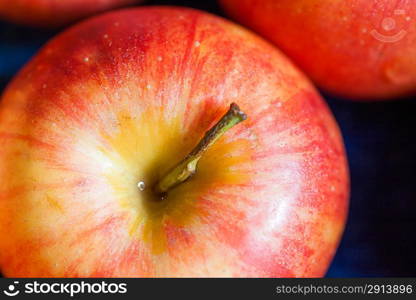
[(52, 13), (359, 49), (93, 131)]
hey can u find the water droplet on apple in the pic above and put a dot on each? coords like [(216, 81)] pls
[(141, 185)]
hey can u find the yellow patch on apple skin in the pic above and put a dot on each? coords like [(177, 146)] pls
[(54, 203), (144, 148), (216, 169)]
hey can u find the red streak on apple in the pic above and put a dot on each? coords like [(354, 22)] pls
[(358, 49), (52, 13), (122, 98)]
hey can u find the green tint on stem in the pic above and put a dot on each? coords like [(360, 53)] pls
[(187, 167)]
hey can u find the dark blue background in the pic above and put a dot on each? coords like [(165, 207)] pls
[(380, 237)]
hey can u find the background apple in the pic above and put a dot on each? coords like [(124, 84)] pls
[(52, 13), (101, 114), (359, 49)]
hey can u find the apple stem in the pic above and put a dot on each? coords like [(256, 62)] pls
[(187, 167)]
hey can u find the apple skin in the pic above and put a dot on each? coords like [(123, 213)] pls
[(123, 97), (54, 13), (357, 49)]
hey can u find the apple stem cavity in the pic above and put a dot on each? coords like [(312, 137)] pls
[(187, 167)]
